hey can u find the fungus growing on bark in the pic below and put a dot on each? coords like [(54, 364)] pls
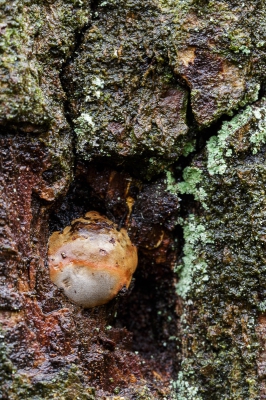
[(91, 260)]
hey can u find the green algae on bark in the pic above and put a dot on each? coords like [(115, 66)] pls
[(22, 99), (35, 40), (125, 100), (218, 47)]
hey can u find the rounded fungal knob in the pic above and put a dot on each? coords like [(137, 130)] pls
[(91, 260)]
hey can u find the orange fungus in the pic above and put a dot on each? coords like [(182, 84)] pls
[(91, 260)]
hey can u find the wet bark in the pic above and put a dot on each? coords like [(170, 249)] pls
[(153, 114)]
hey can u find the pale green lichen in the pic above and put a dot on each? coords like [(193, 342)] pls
[(183, 390), (192, 177), (189, 148), (216, 147), (170, 181), (258, 135), (196, 237), (194, 233), (84, 125), (93, 87), (253, 121), (262, 306)]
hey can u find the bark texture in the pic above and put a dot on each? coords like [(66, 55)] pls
[(153, 114)]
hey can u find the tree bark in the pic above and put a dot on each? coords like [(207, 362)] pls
[(152, 114)]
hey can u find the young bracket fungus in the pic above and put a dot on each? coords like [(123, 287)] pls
[(91, 260)]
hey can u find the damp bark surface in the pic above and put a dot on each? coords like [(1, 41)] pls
[(152, 114)]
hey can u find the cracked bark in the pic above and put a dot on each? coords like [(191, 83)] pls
[(154, 115)]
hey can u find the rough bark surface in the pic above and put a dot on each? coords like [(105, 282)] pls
[(153, 114)]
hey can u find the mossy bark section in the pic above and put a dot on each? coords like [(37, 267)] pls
[(219, 50), (222, 279), (125, 100)]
